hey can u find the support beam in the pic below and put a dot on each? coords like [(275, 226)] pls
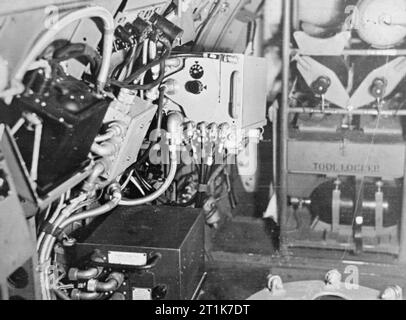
[(402, 245), (284, 129)]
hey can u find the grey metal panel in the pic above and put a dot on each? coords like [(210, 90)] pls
[(351, 159), (218, 24), (16, 241), (22, 21), (18, 6), (213, 103), (254, 100)]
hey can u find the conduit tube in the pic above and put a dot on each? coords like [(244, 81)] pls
[(175, 121)]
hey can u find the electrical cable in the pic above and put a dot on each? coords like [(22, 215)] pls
[(76, 51), (49, 34), (65, 220), (161, 101), (132, 55), (127, 83), (155, 195)]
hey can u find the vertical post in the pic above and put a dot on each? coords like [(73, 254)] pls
[(284, 127), (335, 223), (4, 291), (358, 214), (402, 244)]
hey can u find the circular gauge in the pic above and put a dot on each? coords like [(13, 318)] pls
[(196, 71)]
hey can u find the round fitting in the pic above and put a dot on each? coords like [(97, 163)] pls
[(91, 285), (333, 278), (126, 96), (75, 294), (116, 276), (392, 293), (70, 242), (73, 274), (172, 86), (274, 283), (114, 188)]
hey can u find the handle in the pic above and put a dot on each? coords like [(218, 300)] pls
[(234, 90)]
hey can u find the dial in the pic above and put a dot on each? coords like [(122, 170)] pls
[(196, 71)]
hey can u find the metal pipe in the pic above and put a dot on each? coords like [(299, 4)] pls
[(105, 149), (296, 18), (361, 112), (161, 102), (112, 283), (402, 243), (75, 274), (174, 127), (357, 52), (63, 221), (217, 172), (106, 136), (151, 263), (117, 296), (4, 294), (76, 294), (116, 194), (17, 126), (284, 129), (36, 150), (115, 129), (171, 176), (45, 249), (90, 183), (61, 295)]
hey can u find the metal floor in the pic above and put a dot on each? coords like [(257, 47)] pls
[(241, 253), (239, 265)]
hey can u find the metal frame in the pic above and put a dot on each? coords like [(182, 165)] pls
[(283, 137), (284, 129)]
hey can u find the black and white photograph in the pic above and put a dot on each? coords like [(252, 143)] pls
[(202, 156)]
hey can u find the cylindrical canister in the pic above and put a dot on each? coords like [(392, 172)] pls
[(381, 24)]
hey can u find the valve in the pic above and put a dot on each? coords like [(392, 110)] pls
[(378, 88), (321, 85)]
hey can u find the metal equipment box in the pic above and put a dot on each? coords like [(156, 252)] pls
[(70, 118), (221, 88), (129, 238)]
